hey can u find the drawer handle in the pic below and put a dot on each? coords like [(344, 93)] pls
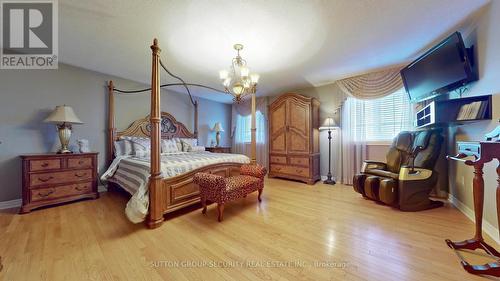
[(46, 179), (44, 165), (80, 188), (80, 175), (45, 194), (80, 162), (298, 171)]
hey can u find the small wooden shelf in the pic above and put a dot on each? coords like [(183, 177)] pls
[(444, 113)]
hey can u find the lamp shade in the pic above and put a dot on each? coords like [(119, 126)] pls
[(218, 127), (63, 114), (328, 123)]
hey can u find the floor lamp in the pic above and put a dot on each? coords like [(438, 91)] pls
[(329, 124)]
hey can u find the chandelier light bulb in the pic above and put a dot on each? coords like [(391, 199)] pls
[(244, 71), (255, 78), (223, 75)]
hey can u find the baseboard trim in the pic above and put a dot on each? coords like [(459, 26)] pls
[(488, 228), (16, 203)]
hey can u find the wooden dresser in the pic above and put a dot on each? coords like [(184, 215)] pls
[(218, 149), (57, 178), (294, 138)]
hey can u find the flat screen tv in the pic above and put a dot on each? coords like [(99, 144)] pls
[(442, 69)]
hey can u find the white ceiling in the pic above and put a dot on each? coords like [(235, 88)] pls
[(291, 43)]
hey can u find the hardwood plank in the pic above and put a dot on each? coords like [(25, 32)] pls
[(295, 223)]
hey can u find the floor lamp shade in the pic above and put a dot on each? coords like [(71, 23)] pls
[(63, 116)]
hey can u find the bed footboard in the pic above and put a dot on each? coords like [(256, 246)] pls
[(179, 192)]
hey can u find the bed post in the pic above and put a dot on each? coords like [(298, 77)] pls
[(155, 218), (196, 119), (111, 123), (253, 148)]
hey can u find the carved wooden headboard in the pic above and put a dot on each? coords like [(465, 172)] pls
[(170, 128)]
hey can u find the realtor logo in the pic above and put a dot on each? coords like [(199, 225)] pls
[(29, 35)]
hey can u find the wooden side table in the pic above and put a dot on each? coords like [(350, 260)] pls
[(57, 178), (219, 149)]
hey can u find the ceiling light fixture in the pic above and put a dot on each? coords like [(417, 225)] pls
[(238, 81)]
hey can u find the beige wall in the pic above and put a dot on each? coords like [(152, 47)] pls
[(486, 37), (28, 96)]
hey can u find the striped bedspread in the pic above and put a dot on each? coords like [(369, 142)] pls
[(132, 174)]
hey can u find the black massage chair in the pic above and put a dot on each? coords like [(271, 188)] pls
[(408, 176)]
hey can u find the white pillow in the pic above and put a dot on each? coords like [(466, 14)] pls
[(141, 153), (169, 146), (123, 148), (139, 143), (197, 148)]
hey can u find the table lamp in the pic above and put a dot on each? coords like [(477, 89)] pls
[(329, 124), (63, 116), (218, 129)]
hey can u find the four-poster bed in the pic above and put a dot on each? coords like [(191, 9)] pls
[(168, 194)]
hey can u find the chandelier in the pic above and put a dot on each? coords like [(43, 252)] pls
[(238, 81)]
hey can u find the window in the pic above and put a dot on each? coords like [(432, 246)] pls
[(381, 119), (244, 125)]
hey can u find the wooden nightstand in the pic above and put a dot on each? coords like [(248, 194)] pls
[(57, 178), (219, 149)]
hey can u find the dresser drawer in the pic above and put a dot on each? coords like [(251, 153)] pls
[(278, 168), (298, 171), (290, 170), (79, 163), (47, 164), (59, 177), (278, 159), (299, 161), (60, 191)]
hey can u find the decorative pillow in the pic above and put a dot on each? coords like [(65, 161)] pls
[(186, 146), (169, 146), (139, 143), (197, 148), (178, 143), (141, 153), (187, 143), (123, 148)]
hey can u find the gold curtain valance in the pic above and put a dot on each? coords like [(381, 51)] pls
[(372, 85)]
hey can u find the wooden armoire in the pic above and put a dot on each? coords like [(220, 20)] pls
[(294, 138)]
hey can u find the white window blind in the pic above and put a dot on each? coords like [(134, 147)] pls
[(382, 119)]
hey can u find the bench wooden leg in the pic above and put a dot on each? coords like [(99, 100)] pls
[(220, 211), (260, 193), (204, 205)]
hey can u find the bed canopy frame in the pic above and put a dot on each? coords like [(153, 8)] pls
[(162, 192)]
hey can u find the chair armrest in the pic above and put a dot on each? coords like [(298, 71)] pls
[(210, 182), (370, 164), (418, 174), (257, 170)]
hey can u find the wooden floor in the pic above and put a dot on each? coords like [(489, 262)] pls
[(298, 232)]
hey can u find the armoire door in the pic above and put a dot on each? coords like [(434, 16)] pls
[(298, 133), (277, 129)]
